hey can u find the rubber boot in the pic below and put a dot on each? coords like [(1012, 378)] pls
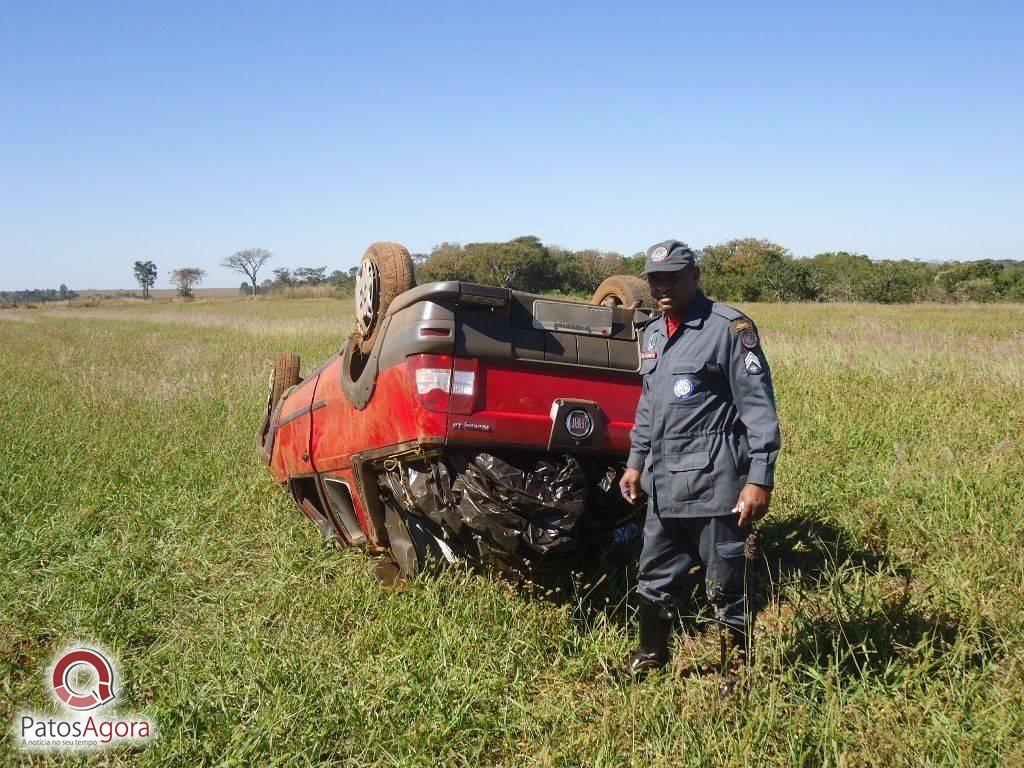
[(654, 634), (734, 660)]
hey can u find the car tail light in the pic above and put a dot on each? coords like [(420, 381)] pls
[(443, 383), (463, 397)]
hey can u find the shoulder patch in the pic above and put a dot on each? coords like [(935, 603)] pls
[(747, 331)]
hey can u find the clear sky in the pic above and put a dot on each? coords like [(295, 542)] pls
[(181, 132)]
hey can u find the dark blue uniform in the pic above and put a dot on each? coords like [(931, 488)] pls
[(706, 425)]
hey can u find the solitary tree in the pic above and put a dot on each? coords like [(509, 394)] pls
[(248, 263), (185, 279), (145, 274)]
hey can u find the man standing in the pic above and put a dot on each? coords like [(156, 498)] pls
[(704, 445)]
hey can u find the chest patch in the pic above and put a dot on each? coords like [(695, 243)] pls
[(683, 387), (648, 355)]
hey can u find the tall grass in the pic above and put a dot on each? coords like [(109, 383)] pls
[(134, 513)]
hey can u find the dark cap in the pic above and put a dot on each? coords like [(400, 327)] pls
[(669, 256)]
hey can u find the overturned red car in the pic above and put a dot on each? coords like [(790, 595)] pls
[(463, 420)]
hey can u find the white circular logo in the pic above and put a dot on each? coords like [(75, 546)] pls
[(683, 387), (659, 254), (579, 424)]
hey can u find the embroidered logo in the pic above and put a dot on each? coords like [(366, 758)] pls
[(683, 387)]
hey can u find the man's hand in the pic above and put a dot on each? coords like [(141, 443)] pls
[(629, 485), (752, 504)]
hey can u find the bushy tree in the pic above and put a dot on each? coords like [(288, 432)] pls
[(310, 275), (185, 279), (777, 278), (447, 261), (521, 263), (724, 267), (283, 277), (582, 271), (977, 289)]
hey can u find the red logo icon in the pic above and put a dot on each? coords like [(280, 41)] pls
[(73, 663)]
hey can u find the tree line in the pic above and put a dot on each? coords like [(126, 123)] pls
[(743, 269)]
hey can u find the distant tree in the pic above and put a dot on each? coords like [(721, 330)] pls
[(778, 278), (418, 262), (522, 263), (248, 262), (310, 275), (245, 288), (447, 261), (583, 271), (344, 282), (62, 292), (185, 279), (282, 277), (723, 267), (979, 289), (951, 275), (145, 275)]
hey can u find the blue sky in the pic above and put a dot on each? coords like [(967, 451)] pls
[(181, 132)]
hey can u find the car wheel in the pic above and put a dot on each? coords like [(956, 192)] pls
[(384, 272), (623, 291), (285, 376)]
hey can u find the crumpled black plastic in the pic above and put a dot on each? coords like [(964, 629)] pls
[(520, 508)]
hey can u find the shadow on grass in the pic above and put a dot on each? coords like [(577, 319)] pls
[(809, 568)]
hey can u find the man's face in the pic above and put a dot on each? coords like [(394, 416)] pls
[(674, 291)]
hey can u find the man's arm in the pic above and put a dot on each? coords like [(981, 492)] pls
[(640, 444), (750, 380), (640, 434)]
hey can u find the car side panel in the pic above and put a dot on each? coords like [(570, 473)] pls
[(392, 416), (291, 439)]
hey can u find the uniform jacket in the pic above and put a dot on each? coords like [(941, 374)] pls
[(706, 422)]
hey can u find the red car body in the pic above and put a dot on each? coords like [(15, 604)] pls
[(469, 390)]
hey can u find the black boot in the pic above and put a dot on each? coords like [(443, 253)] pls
[(654, 633), (735, 659)]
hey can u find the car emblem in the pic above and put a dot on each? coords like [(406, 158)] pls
[(683, 387), (579, 424), (659, 254)]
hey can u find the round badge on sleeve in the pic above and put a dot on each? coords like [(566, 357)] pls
[(659, 254), (748, 338)]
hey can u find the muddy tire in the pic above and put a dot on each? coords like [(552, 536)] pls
[(286, 375), (623, 291), (384, 272)]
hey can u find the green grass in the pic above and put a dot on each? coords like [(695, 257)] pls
[(134, 513)]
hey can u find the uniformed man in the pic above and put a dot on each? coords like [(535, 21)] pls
[(704, 446)]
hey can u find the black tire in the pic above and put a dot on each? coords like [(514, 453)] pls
[(286, 376), (623, 291), (385, 271)]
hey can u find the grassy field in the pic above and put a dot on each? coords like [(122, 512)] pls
[(134, 513)]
